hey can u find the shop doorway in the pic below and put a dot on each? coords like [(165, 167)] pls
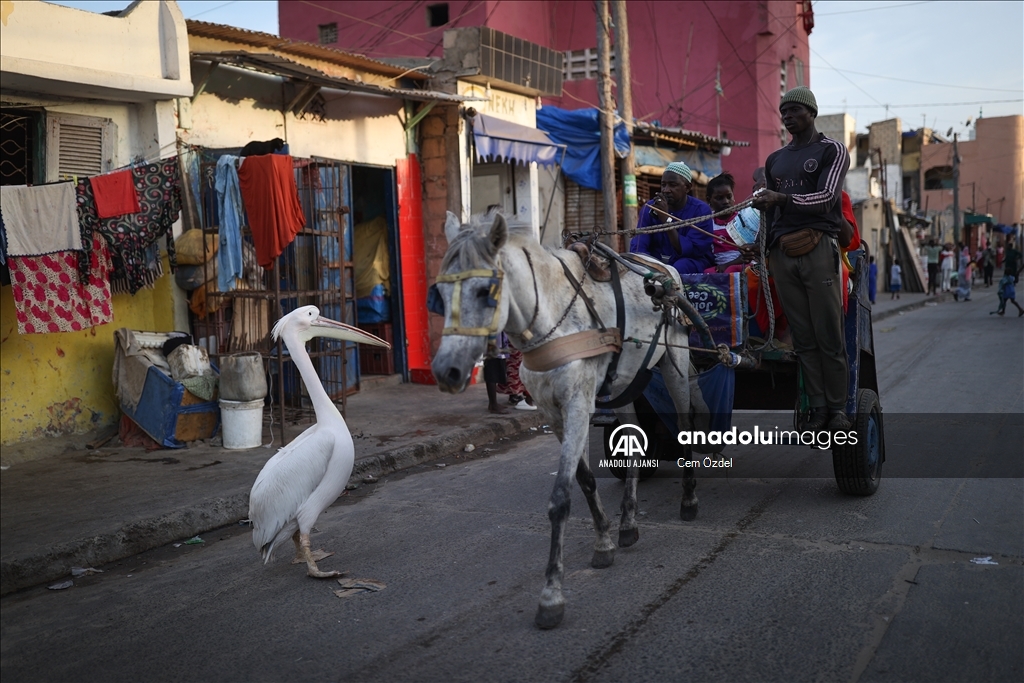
[(377, 274)]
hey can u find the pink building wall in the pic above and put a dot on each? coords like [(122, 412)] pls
[(992, 167), (751, 39)]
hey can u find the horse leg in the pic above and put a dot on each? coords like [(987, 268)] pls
[(604, 549), (552, 603), (688, 506), (679, 388), (628, 531)]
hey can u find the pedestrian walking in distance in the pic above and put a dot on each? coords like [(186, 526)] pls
[(1007, 293), (895, 279)]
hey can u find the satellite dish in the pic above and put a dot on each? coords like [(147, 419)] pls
[(949, 132)]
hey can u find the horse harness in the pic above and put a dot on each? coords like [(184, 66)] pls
[(548, 355)]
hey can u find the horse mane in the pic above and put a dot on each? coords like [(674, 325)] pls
[(472, 246)]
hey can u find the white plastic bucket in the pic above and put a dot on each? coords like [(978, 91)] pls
[(241, 423)]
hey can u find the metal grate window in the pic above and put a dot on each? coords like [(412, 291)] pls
[(328, 33), (19, 140), (581, 65)]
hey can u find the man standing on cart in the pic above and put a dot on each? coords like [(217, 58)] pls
[(803, 206)]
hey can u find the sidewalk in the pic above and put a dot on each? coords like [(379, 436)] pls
[(63, 505), (884, 307)]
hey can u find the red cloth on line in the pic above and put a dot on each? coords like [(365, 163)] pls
[(272, 204), (115, 194), (848, 215)]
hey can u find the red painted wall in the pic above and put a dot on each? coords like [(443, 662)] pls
[(749, 38)]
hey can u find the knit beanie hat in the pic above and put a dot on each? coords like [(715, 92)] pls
[(680, 169), (801, 95)]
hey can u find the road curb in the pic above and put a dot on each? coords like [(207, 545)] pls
[(912, 306), (56, 561)]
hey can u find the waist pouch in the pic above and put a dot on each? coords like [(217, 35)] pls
[(801, 242)]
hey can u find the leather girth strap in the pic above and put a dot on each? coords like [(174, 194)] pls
[(639, 383), (585, 344)]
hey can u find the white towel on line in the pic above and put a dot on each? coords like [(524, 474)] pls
[(40, 220)]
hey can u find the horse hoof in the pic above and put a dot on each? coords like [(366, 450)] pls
[(549, 617), (688, 513), (603, 559), (628, 537)]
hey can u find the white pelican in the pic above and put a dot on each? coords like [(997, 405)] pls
[(307, 475)]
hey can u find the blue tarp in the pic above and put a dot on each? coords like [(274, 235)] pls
[(498, 140), (580, 131)]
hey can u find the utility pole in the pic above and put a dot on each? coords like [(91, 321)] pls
[(606, 106), (956, 191), (623, 74)]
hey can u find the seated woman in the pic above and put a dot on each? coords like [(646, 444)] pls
[(687, 249), (737, 232)]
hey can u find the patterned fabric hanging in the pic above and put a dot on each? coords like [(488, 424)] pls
[(49, 297), (131, 236)]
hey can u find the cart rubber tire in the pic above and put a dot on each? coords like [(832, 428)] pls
[(858, 467), (620, 472)]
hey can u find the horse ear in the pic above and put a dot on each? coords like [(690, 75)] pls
[(499, 233), (452, 226)]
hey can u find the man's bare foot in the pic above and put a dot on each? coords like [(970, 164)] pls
[(497, 410)]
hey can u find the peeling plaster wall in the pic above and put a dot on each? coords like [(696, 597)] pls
[(344, 136), (53, 384)]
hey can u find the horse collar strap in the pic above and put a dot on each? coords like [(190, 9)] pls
[(585, 344), (493, 298)]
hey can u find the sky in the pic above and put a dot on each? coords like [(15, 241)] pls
[(938, 63)]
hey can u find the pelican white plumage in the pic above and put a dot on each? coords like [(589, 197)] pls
[(307, 475)]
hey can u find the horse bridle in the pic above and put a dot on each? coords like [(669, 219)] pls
[(493, 300)]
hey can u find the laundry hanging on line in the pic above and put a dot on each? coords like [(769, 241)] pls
[(132, 237), (40, 219), (272, 204), (115, 194)]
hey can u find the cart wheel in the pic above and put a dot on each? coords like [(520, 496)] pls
[(858, 467), (653, 448)]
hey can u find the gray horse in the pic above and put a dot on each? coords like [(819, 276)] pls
[(498, 277)]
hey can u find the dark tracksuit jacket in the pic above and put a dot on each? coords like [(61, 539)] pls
[(810, 286)]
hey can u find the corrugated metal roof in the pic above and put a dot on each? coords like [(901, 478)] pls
[(686, 138), (299, 47), (282, 66)]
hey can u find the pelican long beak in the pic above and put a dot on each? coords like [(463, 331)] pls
[(325, 327)]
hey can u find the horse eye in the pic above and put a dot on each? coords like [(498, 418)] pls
[(483, 293)]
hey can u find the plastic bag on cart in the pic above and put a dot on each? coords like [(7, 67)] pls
[(711, 401)]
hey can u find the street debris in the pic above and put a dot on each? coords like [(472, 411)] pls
[(177, 545), (352, 486), (369, 479), (195, 540), (84, 571), (887, 329), (983, 560), (533, 429), (62, 585), (469, 448), (930, 303), (245, 522), (975, 520), (440, 464), (352, 587)]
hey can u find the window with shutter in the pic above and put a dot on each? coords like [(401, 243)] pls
[(78, 146)]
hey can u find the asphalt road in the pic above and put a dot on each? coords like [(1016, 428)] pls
[(777, 579)]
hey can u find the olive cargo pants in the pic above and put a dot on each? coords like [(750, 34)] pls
[(810, 287)]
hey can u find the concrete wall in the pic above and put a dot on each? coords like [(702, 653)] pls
[(842, 127), (755, 39), (141, 54), (53, 384)]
